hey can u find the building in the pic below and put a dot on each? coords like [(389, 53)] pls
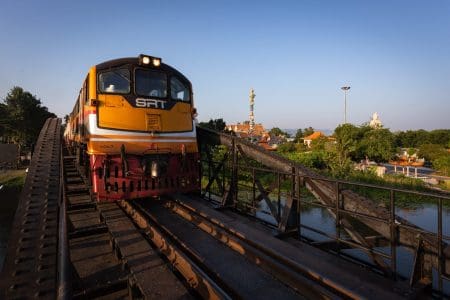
[(308, 140), (243, 129), (375, 122)]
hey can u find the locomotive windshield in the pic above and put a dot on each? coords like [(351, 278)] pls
[(146, 83), (178, 90), (150, 83), (115, 81)]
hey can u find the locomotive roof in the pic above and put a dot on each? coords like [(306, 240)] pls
[(135, 61)]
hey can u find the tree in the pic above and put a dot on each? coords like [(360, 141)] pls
[(439, 136), (277, 132), (286, 147), (216, 124), (431, 151), (416, 138), (346, 145), (442, 164), (298, 135), (308, 131), (347, 136), (4, 120), (320, 143), (378, 144), (24, 116)]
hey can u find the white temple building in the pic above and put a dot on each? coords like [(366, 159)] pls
[(375, 122)]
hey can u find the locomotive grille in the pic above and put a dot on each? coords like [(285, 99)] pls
[(153, 122)]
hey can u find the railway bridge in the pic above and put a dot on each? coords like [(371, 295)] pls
[(244, 236)]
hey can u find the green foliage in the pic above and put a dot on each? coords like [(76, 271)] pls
[(301, 147), (411, 151), (431, 151), (308, 131), (22, 116), (416, 138), (442, 164), (286, 147), (277, 132), (378, 144), (298, 135), (319, 144), (339, 165), (216, 124), (439, 136), (12, 178), (347, 136), (314, 159)]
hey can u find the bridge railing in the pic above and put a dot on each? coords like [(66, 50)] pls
[(359, 216)]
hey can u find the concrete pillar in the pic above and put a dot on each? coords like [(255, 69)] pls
[(407, 170)]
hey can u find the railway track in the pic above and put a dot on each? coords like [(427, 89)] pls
[(66, 245), (245, 260), (112, 259)]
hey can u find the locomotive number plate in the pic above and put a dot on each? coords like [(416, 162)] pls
[(153, 122)]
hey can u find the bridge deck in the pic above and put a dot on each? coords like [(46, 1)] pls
[(350, 279), (110, 256)]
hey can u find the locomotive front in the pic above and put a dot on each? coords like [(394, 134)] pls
[(138, 129)]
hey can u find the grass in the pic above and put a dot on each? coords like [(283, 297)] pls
[(12, 178)]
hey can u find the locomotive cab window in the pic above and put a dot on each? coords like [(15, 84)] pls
[(114, 81), (150, 83), (178, 90)]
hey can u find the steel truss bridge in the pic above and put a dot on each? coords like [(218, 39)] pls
[(244, 236)]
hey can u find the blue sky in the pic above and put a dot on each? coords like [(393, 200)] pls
[(395, 55)]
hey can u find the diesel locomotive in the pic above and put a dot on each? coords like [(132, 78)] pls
[(133, 129)]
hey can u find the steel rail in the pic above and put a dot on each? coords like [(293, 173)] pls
[(299, 277), (64, 271), (194, 275)]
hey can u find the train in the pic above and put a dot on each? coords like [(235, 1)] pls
[(132, 129)]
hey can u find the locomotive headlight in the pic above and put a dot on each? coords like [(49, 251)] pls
[(149, 60), (156, 62), (145, 60)]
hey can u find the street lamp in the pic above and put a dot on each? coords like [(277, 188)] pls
[(345, 89)]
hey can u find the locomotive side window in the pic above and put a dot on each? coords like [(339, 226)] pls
[(115, 81), (178, 90), (150, 83)]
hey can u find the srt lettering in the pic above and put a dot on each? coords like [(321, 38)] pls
[(150, 103)]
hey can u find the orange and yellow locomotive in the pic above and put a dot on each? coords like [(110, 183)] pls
[(133, 128)]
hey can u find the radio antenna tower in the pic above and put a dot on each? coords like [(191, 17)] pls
[(252, 116)]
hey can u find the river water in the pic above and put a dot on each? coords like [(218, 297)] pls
[(424, 216)]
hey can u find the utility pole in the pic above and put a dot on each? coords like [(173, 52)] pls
[(345, 89)]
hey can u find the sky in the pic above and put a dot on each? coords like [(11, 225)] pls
[(395, 55)]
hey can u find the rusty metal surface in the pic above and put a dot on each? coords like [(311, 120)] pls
[(98, 272), (150, 274), (323, 268), (30, 268), (195, 277), (110, 257), (237, 275)]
